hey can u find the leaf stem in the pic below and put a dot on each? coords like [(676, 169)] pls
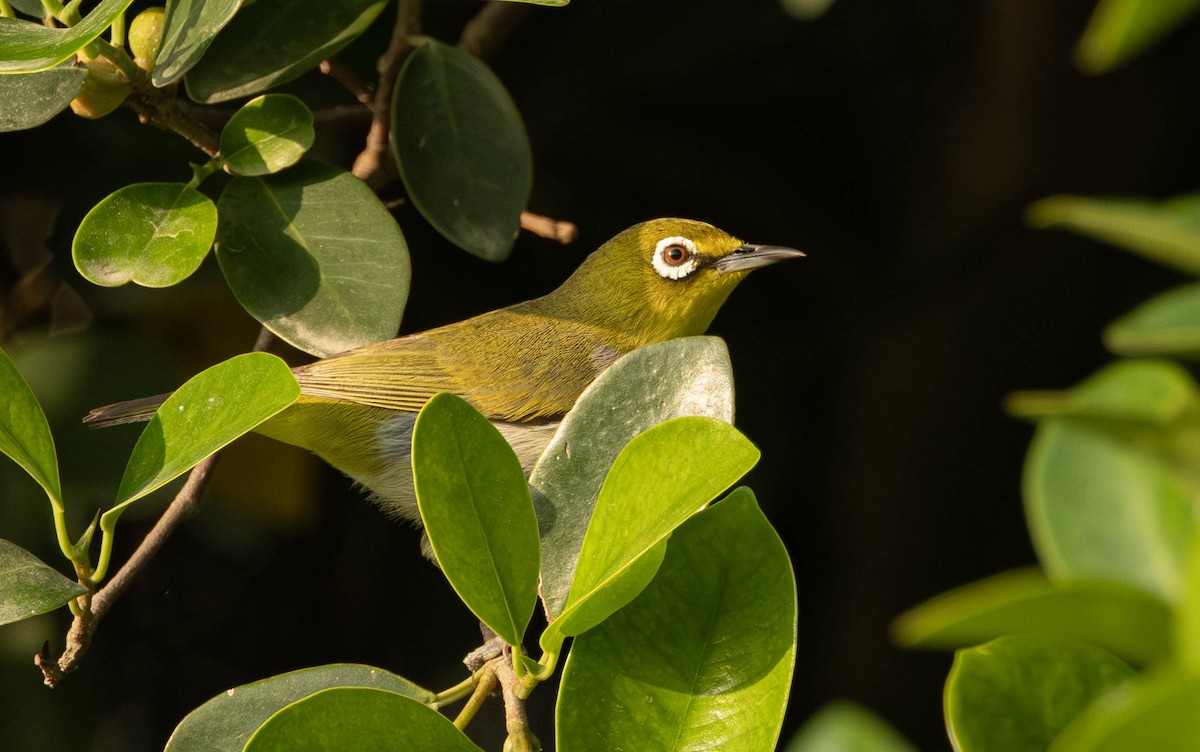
[(201, 172), (481, 688), (53, 8), (116, 32), (515, 719), (457, 692)]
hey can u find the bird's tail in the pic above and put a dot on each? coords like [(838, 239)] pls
[(131, 411)]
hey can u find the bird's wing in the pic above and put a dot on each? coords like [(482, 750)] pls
[(399, 374)]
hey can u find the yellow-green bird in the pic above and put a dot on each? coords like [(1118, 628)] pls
[(522, 366)]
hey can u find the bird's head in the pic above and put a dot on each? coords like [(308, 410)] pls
[(664, 278)]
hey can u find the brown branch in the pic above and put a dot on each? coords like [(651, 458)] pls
[(553, 229), (491, 28), (93, 607), (342, 114), (372, 165), (161, 108), (515, 719), (340, 72)]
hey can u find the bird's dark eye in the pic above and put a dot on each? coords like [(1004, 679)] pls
[(676, 255)]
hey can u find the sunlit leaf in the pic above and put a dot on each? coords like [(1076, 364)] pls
[(26, 46), (268, 43), (358, 718), (152, 234), (1120, 30), (1167, 324), (998, 694), (28, 587), (625, 400), (476, 508), (313, 255), (269, 133), (1155, 712), (31, 99), (226, 721), (702, 659), (843, 726), (461, 148), (188, 30), (25, 434)]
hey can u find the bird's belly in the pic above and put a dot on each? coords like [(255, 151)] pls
[(392, 486)]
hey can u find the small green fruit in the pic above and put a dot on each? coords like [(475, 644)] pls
[(145, 37), (103, 90)]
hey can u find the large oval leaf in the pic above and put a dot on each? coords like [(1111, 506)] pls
[(269, 43), (662, 477), (476, 508), (24, 433), (31, 99), (843, 726), (266, 135), (28, 587), (1016, 694), (1128, 622), (227, 721), (462, 149), (1156, 712), (152, 234), (314, 256), (1168, 324), (625, 400), (1120, 30), (210, 410), (188, 29), (30, 47), (703, 658), (358, 718)]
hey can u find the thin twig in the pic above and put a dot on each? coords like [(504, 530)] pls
[(515, 719), (554, 229), (340, 72), (372, 164), (94, 607), (160, 107), (491, 28), (342, 114), (483, 688)]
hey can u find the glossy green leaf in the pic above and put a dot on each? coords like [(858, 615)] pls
[(25, 434), (703, 658), (1167, 233), (28, 587), (1123, 620), (843, 726), (1016, 694), (188, 29), (476, 508), (152, 234), (462, 149), (267, 44), (227, 721), (1187, 614), (31, 99), (31, 8), (314, 256), (625, 400), (209, 411), (26, 47), (663, 476), (1148, 392), (1168, 325), (358, 718), (1157, 712), (269, 133), (1120, 30)]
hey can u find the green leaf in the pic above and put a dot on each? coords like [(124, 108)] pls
[(805, 10), (1016, 693), (1120, 30), (1123, 620), (28, 587), (269, 133), (314, 256), (25, 434), (1150, 713), (1187, 614), (1167, 233), (476, 508), (843, 726), (27, 47), (152, 234), (662, 477), (462, 149), (703, 658), (1111, 498), (358, 718), (267, 44), (209, 411), (1153, 393), (188, 29), (31, 99), (226, 721), (1168, 325), (629, 397)]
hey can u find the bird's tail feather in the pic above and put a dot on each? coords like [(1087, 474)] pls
[(131, 411)]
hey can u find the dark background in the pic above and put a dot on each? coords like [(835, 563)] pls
[(899, 143)]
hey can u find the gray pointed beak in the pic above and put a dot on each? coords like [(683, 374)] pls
[(747, 257)]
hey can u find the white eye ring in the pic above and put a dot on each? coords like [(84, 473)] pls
[(675, 269)]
